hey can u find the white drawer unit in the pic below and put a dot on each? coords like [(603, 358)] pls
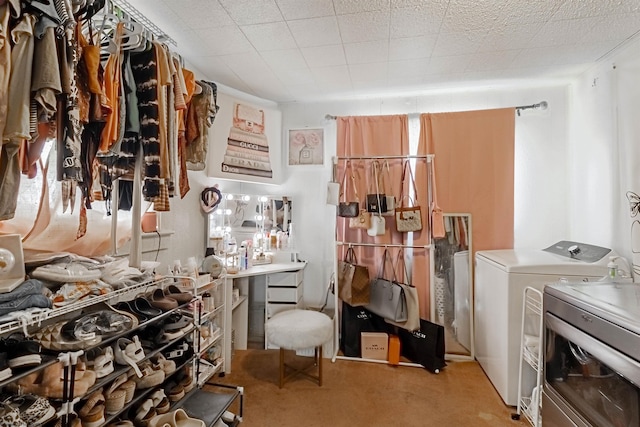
[(284, 293), (291, 278)]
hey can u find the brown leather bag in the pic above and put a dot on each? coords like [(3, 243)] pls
[(353, 280)]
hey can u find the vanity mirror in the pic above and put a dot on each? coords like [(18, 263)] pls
[(242, 216)]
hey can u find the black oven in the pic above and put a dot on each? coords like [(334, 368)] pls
[(592, 355)]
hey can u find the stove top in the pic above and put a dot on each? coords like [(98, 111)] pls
[(618, 303)]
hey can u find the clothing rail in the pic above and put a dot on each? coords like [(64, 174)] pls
[(429, 157), (134, 13), (383, 245)]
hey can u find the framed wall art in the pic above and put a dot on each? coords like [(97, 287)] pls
[(306, 147)]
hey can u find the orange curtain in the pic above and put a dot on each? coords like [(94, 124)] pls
[(474, 154), (368, 136)]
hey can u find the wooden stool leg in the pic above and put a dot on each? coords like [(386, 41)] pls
[(319, 356), (281, 367)]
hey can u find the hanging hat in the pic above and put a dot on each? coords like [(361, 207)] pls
[(210, 199)]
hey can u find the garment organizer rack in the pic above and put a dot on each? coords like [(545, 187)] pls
[(336, 345)]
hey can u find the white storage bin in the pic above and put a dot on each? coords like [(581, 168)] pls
[(292, 278)]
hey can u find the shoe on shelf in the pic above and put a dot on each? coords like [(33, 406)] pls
[(5, 370), (174, 392), (168, 366), (164, 303), (101, 360), (34, 410), (21, 351), (144, 413), (122, 423), (175, 326), (160, 401), (115, 396), (141, 305), (151, 376), (129, 352), (10, 416), (178, 294), (92, 412), (128, 307), (178, 418)]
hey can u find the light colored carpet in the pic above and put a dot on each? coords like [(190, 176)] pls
[(367, 394)]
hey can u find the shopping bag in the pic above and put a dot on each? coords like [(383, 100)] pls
[(424, 346), (355, 320), (353, 280)]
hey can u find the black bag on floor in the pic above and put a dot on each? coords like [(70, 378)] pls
[(424, 346), (353, 321)]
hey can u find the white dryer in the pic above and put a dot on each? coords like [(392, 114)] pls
[(500, 279)]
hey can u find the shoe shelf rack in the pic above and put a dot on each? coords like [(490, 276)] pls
[(530, 369), (201, 370)]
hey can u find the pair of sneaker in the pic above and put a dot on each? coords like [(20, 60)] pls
[(27, 410)]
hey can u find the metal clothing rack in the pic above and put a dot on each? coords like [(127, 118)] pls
[(139, 17), (429, 158)]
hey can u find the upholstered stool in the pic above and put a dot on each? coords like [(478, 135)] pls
[(297, 330)]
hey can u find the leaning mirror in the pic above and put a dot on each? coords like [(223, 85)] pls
[(452, 286)]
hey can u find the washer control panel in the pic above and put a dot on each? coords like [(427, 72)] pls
[(580, 251)]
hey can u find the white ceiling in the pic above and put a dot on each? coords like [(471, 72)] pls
[(306, 50)]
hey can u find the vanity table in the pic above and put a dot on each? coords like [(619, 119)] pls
[(264, 290)]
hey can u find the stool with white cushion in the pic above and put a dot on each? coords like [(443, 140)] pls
[(298, 330)]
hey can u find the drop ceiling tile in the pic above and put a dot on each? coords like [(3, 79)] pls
[(246, 12), (288, 58), (522, 12), (463, 15), (336, 75), (487, 61), (224, 40), (572, 9), (459, 43), (417, 4), (301, 9), (557, 33), (411, 47), (510, 37), (343, 7), (201, 13), (376, 72), (408, 68), (416, 21), (365, 26), (247, 65), (315, 31), (271, 36), (294, 76), (324, 56), (448, 64), (366, 52), (216, 70)]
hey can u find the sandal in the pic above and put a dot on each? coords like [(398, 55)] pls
[(178, 294), (128, 352), (164, 303), (92, 413), (145, 412), (103, 364), (160, 401), (115, 396), (150, 377), (141, 305)]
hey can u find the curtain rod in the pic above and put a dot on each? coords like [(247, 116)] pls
[(383, 245), (543, 105), (407, 156)]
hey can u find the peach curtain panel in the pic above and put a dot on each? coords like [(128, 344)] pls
[(474, 155), (367, 136)]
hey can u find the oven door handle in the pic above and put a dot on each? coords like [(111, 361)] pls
[(619, 362)]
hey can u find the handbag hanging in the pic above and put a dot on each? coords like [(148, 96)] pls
[(353, 280), (385, 179), (376, 201), (348, 209), (411, 296), (387, 298), (363, 220), (408, 218), (437, 216)]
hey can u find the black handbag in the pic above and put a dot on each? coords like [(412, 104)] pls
[(348, 209), (376, 201)]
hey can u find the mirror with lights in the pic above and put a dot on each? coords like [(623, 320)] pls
[(248, 218)]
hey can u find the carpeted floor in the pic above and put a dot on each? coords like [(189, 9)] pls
[(366, 394)]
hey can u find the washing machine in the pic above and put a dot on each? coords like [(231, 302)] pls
[(500, 279)]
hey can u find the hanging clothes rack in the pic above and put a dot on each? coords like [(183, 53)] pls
[(135, 14), (429, 157), (383, 245)]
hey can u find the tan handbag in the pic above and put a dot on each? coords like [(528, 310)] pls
[(363, 220), (353, 280), (437, 216), (408, 218)]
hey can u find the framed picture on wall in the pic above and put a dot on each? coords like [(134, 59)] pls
[(306, 147)]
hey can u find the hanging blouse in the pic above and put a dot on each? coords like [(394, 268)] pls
[(112, 79)]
